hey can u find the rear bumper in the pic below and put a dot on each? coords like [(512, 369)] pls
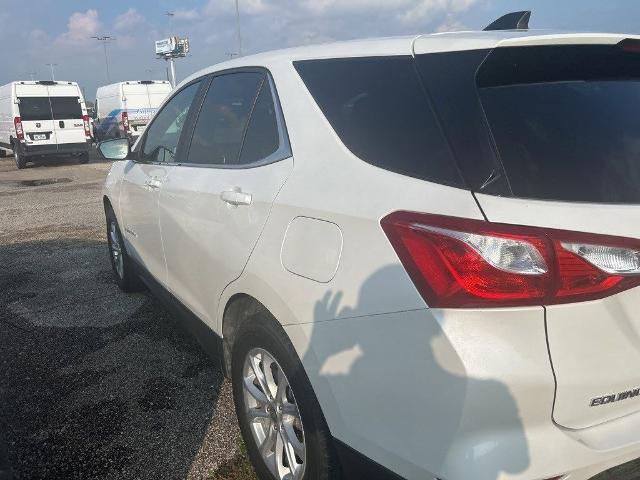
[(60, 149), (452, 394)]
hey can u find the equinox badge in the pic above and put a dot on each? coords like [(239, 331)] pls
[(610, 398)]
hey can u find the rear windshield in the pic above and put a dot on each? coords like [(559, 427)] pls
[(48, 108), (66, 108), (380, 111), (564, 119), (34, 108)]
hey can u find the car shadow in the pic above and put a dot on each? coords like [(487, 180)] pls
[(95, 383), (397, 386)]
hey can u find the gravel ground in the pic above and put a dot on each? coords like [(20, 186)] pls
[(94, 383)]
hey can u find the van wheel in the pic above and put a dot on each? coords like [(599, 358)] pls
[(84, 158), (21, 160), (280, 418), (3, 153), (123, 269)]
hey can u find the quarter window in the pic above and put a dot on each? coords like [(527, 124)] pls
[(163, 134), (380, 111), (222, 122)]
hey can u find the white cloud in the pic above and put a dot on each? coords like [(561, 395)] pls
[(192, 14), (450, 24), (246, 7), (81, 26), (128, 20)]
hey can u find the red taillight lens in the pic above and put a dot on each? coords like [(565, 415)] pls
[(464, 263), (17, 122), (87, 126), (125, 121)]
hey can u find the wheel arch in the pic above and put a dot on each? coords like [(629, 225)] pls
[(238, 309)]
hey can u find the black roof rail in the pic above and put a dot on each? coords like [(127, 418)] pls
[(46, 82), (511, 21)]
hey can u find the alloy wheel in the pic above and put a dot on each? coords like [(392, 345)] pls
[(273, 416)]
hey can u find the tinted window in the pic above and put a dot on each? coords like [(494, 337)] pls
[(450, 78), (164, 132), (564, 121), (222, 121), (380, 111), (66, 108), (35, 108), (262, 138)]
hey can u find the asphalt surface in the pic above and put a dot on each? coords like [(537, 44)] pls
[(94, 383)]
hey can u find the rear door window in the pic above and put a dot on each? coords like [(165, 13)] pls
[(35, 108), (564, 121), (379, 109), (66, 108), (262, 138), (222, 122)]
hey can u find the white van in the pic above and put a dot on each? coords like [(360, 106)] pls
[(123, 109), (43, 118)]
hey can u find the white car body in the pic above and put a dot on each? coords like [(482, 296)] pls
[(51, 131), (425, 392), (139, 98)]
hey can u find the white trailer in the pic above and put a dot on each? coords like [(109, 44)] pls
[(124, 109), (43, 118)]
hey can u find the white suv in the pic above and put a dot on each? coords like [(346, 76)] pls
[(418, 256)]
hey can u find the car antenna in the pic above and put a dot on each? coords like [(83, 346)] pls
[(511, 21)]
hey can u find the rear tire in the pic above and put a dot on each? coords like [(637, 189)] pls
[(84, 158), (263, 343), (21, 160), (3, 153), (123, 268)]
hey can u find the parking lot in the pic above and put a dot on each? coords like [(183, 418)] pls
[(94, 383)]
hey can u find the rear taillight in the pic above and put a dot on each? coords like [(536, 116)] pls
[(17, 122), (125, 121), (464, 263), (87, 126)]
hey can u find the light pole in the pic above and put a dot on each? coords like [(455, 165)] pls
[(238, 28), (53, 77), (105, 40), (171, 60), (170, 15)]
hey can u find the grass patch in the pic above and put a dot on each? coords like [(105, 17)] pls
[(238, 468)]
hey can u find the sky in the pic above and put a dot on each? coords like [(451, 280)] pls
[(38, 32)]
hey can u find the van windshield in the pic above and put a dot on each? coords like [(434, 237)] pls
[(34, 108), (564, 121)]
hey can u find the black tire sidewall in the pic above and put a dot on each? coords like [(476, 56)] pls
[(260, 332), (20, 159)]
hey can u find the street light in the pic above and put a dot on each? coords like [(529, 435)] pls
[(53, 77), (238, 29), (105, 40)]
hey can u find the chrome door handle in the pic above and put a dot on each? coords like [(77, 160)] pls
[(236, 197)]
